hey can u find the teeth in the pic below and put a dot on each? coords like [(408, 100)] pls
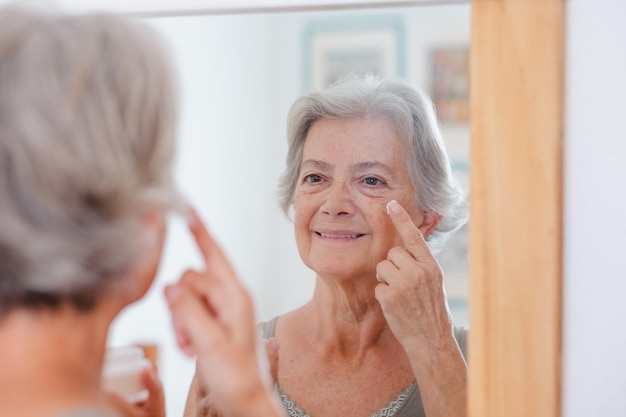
[(338, 236)]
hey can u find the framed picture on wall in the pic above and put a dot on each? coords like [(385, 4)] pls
[(450, 83), (337, 47)]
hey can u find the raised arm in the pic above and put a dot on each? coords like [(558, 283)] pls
[(413, 300), (213, 318)]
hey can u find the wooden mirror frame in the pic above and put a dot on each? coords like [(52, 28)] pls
[(517, 93)]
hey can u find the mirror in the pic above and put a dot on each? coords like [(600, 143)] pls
[(239, 74)]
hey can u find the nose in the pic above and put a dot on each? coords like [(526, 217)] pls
[(339, 200)]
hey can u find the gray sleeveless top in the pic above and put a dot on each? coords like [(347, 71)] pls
[(407, 404), (88, 412)]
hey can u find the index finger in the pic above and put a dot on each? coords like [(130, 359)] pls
[(411, 236), (201, 235), (214, 258)]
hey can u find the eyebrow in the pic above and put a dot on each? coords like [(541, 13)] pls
[(363, 166), (316, 164), (360, 166)]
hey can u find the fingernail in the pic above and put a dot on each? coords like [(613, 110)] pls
[(392, 206), (172, 292), (149, 366)]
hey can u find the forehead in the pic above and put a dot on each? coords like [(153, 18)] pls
[(360, 137)]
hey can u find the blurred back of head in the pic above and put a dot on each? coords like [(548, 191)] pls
[(87, 115)]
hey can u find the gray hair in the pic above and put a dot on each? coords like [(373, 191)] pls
[(413, 115), (87, 120)]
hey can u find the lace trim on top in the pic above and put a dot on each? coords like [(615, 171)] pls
[(387, 411)]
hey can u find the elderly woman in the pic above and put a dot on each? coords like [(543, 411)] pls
[(373, 197), (86, 148)]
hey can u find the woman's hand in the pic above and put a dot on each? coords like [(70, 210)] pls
[(201, 403), (411, 292), (413, 301), (213, 318), (154, 406)]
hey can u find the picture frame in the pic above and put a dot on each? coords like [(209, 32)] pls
[(450, 83), (336, 47)]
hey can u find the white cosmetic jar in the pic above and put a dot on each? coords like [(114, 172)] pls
[(121, 373)]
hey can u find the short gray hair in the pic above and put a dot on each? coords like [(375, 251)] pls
[(87, 123), (413, 115)]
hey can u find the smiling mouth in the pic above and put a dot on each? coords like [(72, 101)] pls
[(339, 236)]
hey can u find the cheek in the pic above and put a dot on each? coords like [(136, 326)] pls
[(385, 231), (415, 212), (304, 207), (299, 224), (301, 220), (302, 235), (391, 237)]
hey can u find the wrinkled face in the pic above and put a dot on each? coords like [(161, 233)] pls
[(351, 168)]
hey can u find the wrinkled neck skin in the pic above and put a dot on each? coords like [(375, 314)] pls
[(347, 315), (51, 360)]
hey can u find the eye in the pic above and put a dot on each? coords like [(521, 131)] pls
[(312, 178), (373, 181)]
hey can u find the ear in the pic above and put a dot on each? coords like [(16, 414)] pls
[(152, 234), (430, 220)]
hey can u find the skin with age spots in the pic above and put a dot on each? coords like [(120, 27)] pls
[(347, 177)]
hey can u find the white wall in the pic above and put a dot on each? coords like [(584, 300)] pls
[(594, 288)]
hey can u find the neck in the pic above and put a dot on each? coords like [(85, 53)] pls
[(348, 316), (51, 361)]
